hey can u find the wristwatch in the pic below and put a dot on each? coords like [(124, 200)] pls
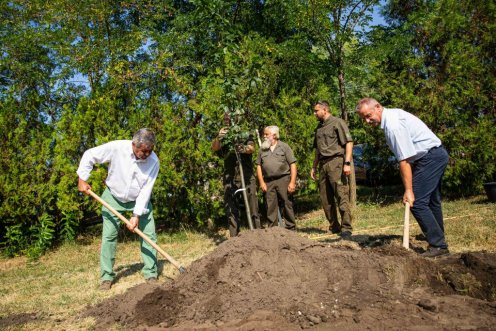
[(347, 163)]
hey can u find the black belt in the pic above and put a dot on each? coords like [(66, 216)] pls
[(269, 179), (433, 148), (324, 160), (430, 150)]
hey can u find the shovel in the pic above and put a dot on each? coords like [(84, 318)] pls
[(406, 226), (138, 232)]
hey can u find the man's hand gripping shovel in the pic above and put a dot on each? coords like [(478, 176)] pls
[(138, 232)]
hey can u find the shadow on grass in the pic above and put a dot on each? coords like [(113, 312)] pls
[(306, 203), (313, 230), (127, 270), (331, 240), (482, 200)]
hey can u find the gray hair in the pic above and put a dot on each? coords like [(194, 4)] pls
[(144, 137), (274, 129), (366, 101)]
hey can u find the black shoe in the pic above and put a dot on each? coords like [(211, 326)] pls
[(346, 235), (334, 231), (435, 251)]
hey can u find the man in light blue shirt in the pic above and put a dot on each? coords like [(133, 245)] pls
[(422, 160), (132, 171)]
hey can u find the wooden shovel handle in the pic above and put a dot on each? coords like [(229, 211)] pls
[(138, 232), (406, 226)]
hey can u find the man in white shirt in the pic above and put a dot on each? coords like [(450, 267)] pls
[(422, 160), (132, 171)]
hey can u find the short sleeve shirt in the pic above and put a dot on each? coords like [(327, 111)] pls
[(331, 137), (276, 163), (406, 135)]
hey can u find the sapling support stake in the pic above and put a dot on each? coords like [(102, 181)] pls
[(243, 188)]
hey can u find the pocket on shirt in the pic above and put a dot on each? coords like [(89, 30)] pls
[(280, 156), (263, 157), (325, 139)]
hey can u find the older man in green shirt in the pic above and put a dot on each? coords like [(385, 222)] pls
[(276, 172)]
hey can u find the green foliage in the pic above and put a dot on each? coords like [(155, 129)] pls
[(42, 236)]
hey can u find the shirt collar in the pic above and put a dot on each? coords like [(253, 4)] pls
[(131, 153), (326, 121), (383, 117)]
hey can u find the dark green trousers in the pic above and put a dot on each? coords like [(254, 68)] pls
[(277, 193), (232, 202), (335, 194)]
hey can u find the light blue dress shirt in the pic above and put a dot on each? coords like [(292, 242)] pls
[(406, 135)]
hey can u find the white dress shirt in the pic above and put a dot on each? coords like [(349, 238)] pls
[(406, 135), (129, 179)]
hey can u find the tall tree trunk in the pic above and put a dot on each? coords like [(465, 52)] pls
[(344, 116), (342, 92)]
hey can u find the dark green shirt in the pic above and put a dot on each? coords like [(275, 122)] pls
[(231, 168), (276, 164), (331, 137)]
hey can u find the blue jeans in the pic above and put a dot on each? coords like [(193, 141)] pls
[(427, 174)]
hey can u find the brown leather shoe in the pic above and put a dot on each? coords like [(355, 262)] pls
[(105, 285), (435, 251)]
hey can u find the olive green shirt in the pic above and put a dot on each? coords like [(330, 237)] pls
[(231, 168), (331, 137), (276, 163)]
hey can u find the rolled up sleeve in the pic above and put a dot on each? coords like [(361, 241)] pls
[(95, 155)]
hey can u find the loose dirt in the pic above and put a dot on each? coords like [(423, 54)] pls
[(274, 279)]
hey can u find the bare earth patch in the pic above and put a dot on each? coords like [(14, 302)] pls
[(17, 320), (273, 279)]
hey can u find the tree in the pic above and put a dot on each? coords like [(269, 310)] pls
[(334, 26)]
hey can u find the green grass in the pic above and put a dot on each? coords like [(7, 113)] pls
[(60, 284)]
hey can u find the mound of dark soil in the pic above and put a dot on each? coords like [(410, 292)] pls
[(273, 279)]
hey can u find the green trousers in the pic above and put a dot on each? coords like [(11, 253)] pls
[(111, 225)]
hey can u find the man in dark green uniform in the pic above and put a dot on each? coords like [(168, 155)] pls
[(276, 172), (232, 178), (333, 153)]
